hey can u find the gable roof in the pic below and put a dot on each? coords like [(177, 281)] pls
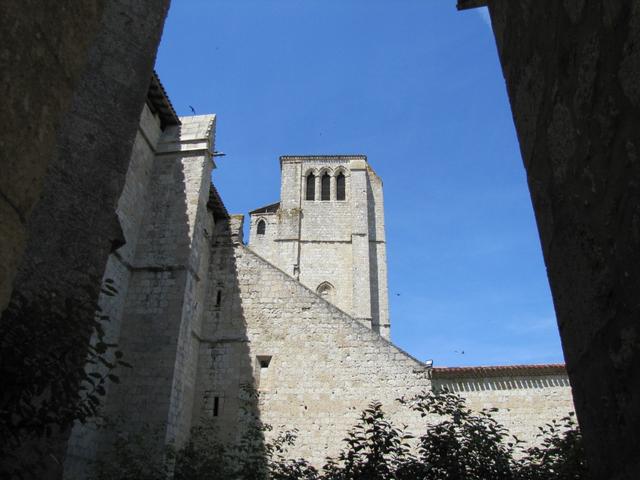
[(273, 208)]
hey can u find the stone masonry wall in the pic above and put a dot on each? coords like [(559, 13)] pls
[(83, 441), (106, 65), (165, 213), (323, 366), (525, 401), (37, 90), (265, 245), (164, 300), (378, 256), (572, 71)]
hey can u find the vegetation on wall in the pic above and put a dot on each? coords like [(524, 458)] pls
[(457, 444), (51, 376)]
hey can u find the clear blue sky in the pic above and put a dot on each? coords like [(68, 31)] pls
[(417, 87)]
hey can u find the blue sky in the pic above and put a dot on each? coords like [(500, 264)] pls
[(417, 87)]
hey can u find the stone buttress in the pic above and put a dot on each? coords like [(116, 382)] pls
[(161, 277)]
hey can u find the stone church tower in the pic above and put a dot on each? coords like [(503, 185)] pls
[(327, 231)]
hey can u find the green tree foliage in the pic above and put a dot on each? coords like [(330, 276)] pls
[(560, 455), (374, 449), (464, 444), (52, 375), (137, 455)]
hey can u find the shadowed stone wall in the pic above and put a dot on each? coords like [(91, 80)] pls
[(161, 276), (43, 55), (572, 70), (75, 78), (76, 214)]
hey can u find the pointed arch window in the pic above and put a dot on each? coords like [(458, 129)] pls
[(325, 187), (311, 187), (326, 291), (262, 227), (340, 187)]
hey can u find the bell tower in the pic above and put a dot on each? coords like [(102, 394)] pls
[(327, 231)]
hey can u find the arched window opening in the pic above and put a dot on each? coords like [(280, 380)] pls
[(311, 187), (262, 226), (326, 187), (340, 187), (326, 291)]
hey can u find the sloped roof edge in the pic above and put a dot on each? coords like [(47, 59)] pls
[(499, 370), (266, 209), (160, 103), (216, 205)]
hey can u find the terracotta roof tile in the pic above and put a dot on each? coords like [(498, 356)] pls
[(499, 370)]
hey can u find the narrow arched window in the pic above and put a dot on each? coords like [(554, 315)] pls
[(262, 226), (326, 291), (311, 187), (340, 191), (326, 187)]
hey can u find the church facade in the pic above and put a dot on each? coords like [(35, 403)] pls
[(300, 313)]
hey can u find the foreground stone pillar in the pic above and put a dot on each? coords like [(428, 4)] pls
[(37, 88), (572, 70), (77, 77)]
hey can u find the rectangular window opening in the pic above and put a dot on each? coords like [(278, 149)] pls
[(214, 403), (262, 371)]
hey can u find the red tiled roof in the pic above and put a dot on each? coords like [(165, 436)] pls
[(499, 370)]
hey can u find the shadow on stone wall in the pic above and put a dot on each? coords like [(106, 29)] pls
[(163, 311), (373, 259), (228, 375), (571, 71), (72, 227)]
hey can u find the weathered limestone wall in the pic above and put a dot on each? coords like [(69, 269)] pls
[(265, 245), (378, 256), (165, 297), (76, 214), (572, 71), (526, 398), (161, 276), (130, 211), (323, 368), (37, 89), (78, 120)]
